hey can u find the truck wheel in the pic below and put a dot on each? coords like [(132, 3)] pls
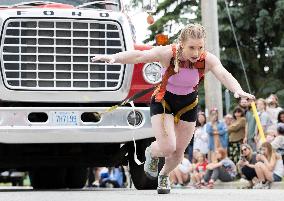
[(48, 178), (139, 179), (76, 177)]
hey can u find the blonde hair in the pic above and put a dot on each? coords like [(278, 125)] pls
[(263, 101), (195, 31)]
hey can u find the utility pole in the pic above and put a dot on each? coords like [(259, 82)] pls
[(213, 89)]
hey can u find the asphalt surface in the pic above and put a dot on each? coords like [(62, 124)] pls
[(135, 195)]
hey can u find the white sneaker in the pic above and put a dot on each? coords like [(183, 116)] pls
[(151, 165), (260, 185), (164, 184)]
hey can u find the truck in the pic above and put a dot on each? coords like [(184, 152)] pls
[(52, 95)]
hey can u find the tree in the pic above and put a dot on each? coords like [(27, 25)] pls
[(174, 15), (260, 33), (259, 30)]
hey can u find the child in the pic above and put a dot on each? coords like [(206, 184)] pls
[(199, 171)]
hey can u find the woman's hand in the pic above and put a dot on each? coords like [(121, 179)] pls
[(241, 93), (100, 57)]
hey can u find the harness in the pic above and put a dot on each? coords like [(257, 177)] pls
[(160, 91)]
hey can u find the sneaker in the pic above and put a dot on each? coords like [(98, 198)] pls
[(260, 185), (163, 184), (151, 164), (267, 185)]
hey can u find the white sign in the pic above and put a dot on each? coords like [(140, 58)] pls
[(64, 118)]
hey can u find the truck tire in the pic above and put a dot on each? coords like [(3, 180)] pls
[(138, 176), (48, 178), (58, 178), (76, 177)]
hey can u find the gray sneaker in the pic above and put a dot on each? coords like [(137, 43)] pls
[(151, 165), (164, 184)]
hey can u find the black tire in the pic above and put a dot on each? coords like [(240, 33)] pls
[(76, 177), (138, 176), (48, 178)]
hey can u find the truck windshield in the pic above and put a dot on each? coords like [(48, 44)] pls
[(96, 4)]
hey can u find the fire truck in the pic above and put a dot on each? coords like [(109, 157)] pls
[(50, 92)]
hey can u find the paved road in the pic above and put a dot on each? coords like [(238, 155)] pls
[(134, 195)]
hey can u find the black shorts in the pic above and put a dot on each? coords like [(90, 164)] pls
[(176, 103)]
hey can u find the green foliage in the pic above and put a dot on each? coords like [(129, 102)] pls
[(260, 32), (173, 13)]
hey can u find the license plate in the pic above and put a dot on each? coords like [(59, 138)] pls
[(64, 118)]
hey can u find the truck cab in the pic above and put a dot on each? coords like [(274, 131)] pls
[(51, 93)]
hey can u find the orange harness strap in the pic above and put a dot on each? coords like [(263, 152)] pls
[(160, 91)]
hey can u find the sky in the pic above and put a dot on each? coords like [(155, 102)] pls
[(139, 20)]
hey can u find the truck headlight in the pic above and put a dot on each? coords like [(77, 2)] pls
[(152, 73)]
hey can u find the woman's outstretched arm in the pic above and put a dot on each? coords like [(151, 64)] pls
[(215, 66), (133, 56)]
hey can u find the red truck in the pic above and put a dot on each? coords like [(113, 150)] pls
[(50, 90)]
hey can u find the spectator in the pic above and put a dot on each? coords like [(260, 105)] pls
[(111, 177), (200, 134), (263, 116), (269, 167), (243, 103), (246, 164), (278, 142), (224, 169), (273, 108), (280, 117), (228, 119), (236, 133), (180, 175), (217, 132), (199, 170), (250, 128)]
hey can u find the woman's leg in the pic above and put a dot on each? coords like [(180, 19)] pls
[(164, 131), (183, 134), (248, 172), (164, 145), (266, 174), (259, 172)]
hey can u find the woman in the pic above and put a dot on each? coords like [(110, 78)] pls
[(236, 133), (273, 108), (224, 169), (246, 164), (200, 134), (177, 90), (280, 117), (218, 136), (263, 117), (269, 167)]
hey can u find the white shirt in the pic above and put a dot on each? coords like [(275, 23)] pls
[(201, 140)]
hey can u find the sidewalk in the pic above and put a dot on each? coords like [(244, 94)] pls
[(240, 183)]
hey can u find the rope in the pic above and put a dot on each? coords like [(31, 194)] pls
[(237, 44)]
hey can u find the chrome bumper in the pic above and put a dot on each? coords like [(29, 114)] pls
[(112, 127)]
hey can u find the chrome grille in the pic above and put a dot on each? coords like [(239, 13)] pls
[(54, 54)]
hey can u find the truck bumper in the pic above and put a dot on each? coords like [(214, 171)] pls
[(65, 125)]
